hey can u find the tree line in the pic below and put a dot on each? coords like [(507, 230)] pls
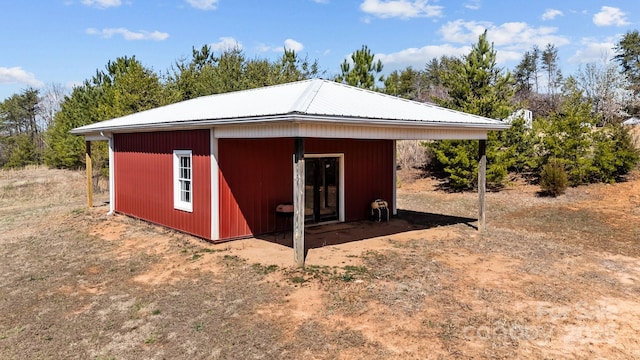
[(577, 118), (577, 122)]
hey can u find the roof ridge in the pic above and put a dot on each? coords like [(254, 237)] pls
[(301, 105)]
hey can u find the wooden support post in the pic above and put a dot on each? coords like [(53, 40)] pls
[(112, 179), (89, 167), (482, 183), (298, 202)]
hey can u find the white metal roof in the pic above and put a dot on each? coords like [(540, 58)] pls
[(313, 101)]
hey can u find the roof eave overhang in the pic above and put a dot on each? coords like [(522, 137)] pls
[(291, 119)]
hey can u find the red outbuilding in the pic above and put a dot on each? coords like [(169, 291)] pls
[(219, 166)]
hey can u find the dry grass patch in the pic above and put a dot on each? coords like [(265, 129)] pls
[(551, 278)]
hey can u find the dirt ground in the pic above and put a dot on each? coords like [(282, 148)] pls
[(550, 278)]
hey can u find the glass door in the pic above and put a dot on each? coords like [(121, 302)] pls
[(322, 192)]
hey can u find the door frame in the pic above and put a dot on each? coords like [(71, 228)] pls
[(340, 157)]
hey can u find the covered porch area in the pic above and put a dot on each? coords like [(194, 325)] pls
[(301, 245)]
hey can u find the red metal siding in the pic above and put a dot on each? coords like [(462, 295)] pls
[(368, 171), (144, 178), (256, 175)]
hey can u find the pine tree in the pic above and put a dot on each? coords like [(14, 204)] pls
[(589, 154), (364, 71), (124, 87), (477, 86), (20, 135), (403, 83), (567, 134), (549, 63), (526, 75), (628, 56)]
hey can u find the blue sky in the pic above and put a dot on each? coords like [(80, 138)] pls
[(66, 41)]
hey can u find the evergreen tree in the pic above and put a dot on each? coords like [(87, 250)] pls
[(291, 68), (21, 152), (129, 87), (434, 74), (628, 56), (207, 74), (615, 154), (80, 108), (526, 75), (475, 85), (362, 71), (590, 154), (194, 78), (567, 134), (20, 135), (228, 73), (403, 83), (124, 87), (549, 63)]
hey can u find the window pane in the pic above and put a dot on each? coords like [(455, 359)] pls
[(182, 183), (185, 190), (185, 161)]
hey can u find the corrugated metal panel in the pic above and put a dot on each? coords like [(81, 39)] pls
[(144, 178), (342, 100), (368, 171), (320, 100), (348, 132), (256, 175)]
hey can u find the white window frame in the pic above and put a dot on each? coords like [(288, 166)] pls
[(178, 202)]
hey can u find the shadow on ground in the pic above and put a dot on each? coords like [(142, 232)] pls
[(340, 233)]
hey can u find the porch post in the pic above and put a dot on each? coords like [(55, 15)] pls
[(89, 174), (89, 166), (394, 201), (298, 202), (482, 183), (112, 178)]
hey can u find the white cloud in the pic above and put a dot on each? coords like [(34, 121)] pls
[(418, 57), (593, 52), (264, 48), (288, 44), (321, 1), (128, 34), (551, 14), (291, 44), (506, 37), (473, 5), (609, 16), (404, 9), (505, 56), (461, 31), (16, 75), (102, 4), (225, 43), (203, 4)]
